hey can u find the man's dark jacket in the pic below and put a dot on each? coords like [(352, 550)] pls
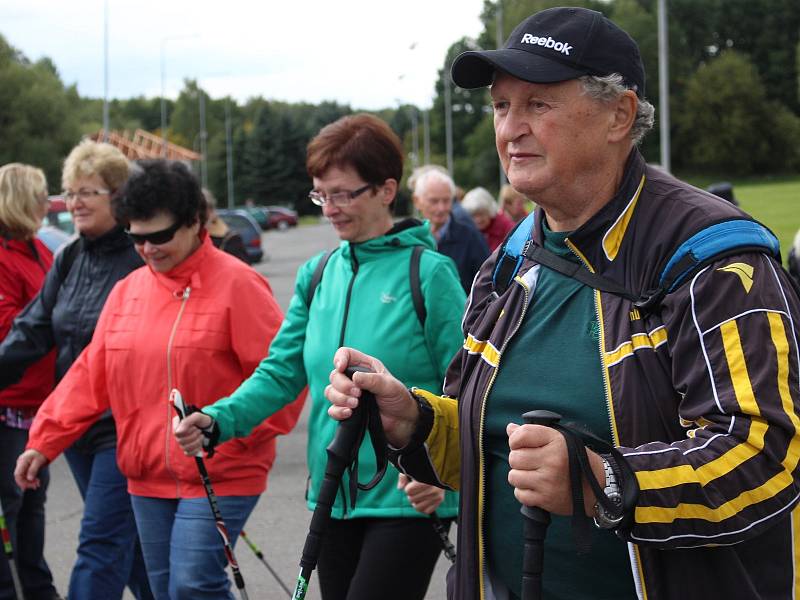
[(703, 400), (465, 244)]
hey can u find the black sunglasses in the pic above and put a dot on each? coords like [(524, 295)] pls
[(156, 237)]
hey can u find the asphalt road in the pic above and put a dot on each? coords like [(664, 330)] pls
[(279, 522)]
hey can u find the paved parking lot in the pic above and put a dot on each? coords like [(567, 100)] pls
[(279, 522)]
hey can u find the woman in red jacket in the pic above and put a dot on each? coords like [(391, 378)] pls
[(493, 224), (24, 262), (194, 319)]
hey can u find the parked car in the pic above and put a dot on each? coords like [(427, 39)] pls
[(53, 237), (241, 220), (281, 217), (58, 216), (259, 215)]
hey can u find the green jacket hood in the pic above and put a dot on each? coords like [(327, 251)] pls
[(404, 234)]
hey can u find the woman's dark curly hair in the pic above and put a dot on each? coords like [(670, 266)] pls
[(157, 186)]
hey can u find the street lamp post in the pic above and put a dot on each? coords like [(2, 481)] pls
[(203, 138), (499, 38), (448, 121), (426, 136), (229, 152), (105, 71), (414, 136), (663, 83)]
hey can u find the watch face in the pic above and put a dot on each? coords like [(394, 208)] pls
[(602, 519)]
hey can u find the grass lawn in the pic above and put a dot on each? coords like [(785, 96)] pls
[(775, 202)]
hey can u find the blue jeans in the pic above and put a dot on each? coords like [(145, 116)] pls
[(183, 550), (24, 513), (109, 555)]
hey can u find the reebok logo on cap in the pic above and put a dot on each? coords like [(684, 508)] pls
[(547, 42), (556, 44)]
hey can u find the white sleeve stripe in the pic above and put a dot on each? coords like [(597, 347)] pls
[(702, 343), (747, 312), (690, 450)]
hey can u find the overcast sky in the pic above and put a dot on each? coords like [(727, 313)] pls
[(366, 53)]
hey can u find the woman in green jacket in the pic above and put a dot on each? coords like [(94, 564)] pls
[(363, 299)]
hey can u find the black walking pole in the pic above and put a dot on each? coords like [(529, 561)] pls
[(447, 546), (260, 556), (182, 410), (535, 525), (342, 452), (9, 552)]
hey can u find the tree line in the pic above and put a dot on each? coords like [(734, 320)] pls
[(734, 105)]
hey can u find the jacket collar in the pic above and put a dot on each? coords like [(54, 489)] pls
[(598, 241), (23, 246), (187, 273), (110, 241), (405, 233)]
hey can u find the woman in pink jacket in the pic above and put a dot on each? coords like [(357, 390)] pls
[(193, 319)]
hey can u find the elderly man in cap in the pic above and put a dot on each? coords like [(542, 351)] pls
[(684, 368)]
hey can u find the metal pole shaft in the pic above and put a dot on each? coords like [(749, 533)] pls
[(415, 136), (8, 549), (203, 137), (499, 39), (105, 71), (163, 105), (663, 83), (426, 135), (229, 152), (448, 121)]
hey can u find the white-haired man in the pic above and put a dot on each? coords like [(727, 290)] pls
[(459, 239)]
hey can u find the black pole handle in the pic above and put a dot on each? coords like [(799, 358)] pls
[(342, 451), (345, 444), (534, 525)]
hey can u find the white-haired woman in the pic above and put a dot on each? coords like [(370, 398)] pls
[(494, 225), (24, 262)]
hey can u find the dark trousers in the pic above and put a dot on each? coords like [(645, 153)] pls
[(24, 513), (390, 559), (109, 555)]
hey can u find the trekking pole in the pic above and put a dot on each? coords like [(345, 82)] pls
[(9, 551), (180, 407), (534, 525), (260, 556), (342, 452), (447, 546)]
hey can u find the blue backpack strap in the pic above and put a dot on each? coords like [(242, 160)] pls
[(511, 254), (708, 245)]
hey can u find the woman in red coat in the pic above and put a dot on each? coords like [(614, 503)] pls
[(193, 319), (494, 225), (24, 261)]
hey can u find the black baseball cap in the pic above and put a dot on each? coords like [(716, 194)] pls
[(556, 44)]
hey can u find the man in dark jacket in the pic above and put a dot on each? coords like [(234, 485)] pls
[(698, 395), (455, 233)]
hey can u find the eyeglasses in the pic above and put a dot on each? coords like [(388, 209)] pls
[(156, 237), (337, 198), (83, 194)]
